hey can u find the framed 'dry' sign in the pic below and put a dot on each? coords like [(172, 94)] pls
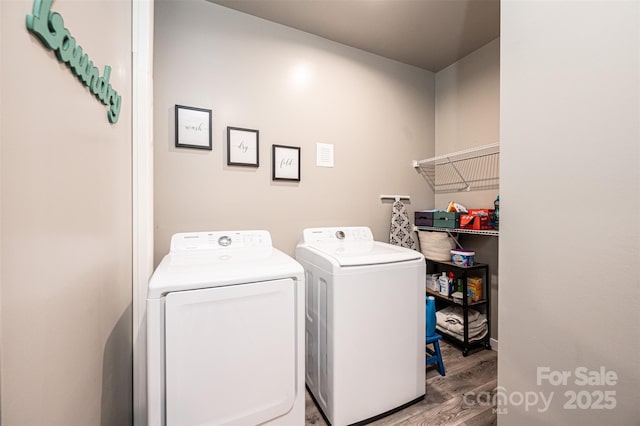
[(193, 127), (242, 147), (286, 162)]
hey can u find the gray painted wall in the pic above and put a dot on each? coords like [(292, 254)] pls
[(468, 116), (570, 239), (296, 89), (66, 263)]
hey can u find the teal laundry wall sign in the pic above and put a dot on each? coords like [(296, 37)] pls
[(49, 27)]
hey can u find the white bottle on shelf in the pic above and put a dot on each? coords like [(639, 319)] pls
[(443, 281)]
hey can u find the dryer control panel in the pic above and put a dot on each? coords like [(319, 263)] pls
[(219, 240), (335, 234)]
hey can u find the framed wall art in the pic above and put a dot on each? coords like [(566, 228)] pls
[(286, 162), (193, 127), (243, 147)]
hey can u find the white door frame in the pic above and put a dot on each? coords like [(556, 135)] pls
[(142, 173)]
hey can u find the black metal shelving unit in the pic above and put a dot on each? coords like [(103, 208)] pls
[(484, 305)]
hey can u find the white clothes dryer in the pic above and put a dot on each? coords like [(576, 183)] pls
[(225, 342), (365, 324)]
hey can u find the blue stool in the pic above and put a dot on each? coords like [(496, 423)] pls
[(434, 355)]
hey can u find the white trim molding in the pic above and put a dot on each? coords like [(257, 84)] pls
[(142, 70)]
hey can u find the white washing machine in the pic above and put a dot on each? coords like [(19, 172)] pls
[(225, 314), (365, 324)]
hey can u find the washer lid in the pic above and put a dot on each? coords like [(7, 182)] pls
[(360, 253), (205, 260)]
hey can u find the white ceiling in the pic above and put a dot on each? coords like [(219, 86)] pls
[(429, 34)]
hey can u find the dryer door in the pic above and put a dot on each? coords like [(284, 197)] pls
[(230, 354)]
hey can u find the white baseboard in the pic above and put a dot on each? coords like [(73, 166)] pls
[(494, 344)]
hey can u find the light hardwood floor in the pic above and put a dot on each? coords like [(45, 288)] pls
[(445, 402)]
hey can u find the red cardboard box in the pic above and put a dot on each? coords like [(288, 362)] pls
[(475, 221), (468, 221), (481, 212)]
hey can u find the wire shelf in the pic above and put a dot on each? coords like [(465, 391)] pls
[(469, 170), (487, 232)]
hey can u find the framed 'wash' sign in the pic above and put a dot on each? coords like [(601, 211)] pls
[(193, 127)]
